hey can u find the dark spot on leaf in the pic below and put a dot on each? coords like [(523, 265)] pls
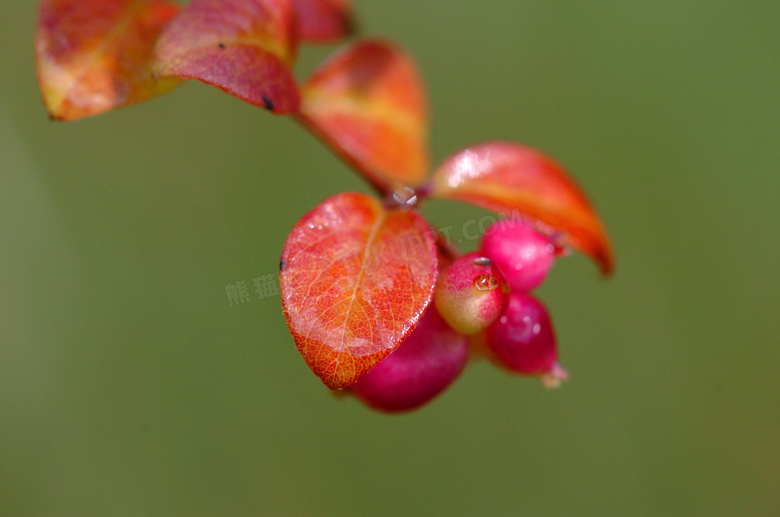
[(222, 46), (267, 103)]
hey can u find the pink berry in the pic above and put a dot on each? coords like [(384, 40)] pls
[(523, 340), (522, 254), (423, 366), (470, 293)]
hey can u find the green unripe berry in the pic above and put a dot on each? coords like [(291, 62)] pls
[(471, 293)]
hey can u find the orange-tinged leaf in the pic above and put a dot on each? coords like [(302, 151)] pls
[(323, 21), (368, 102), (355, 279), (507, 177), (243, 47), (94, 56)]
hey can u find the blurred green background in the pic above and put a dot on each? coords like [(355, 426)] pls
[(130, 386)]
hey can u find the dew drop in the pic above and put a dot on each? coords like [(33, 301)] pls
[(537, 328), (405, 196), (482, 261), (485, 282)]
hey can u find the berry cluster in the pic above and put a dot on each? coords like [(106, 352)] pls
[(482, 298), (373, 304)]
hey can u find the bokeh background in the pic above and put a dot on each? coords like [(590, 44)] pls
[(130, 386)]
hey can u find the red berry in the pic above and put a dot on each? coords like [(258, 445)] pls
[(522, 254), (423, 366), (470, 293), (523, 340)]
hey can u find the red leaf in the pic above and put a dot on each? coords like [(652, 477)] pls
[(95, 56), (243, 47), (505, 177), (323, 21), (355, 279), (368, 103)]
